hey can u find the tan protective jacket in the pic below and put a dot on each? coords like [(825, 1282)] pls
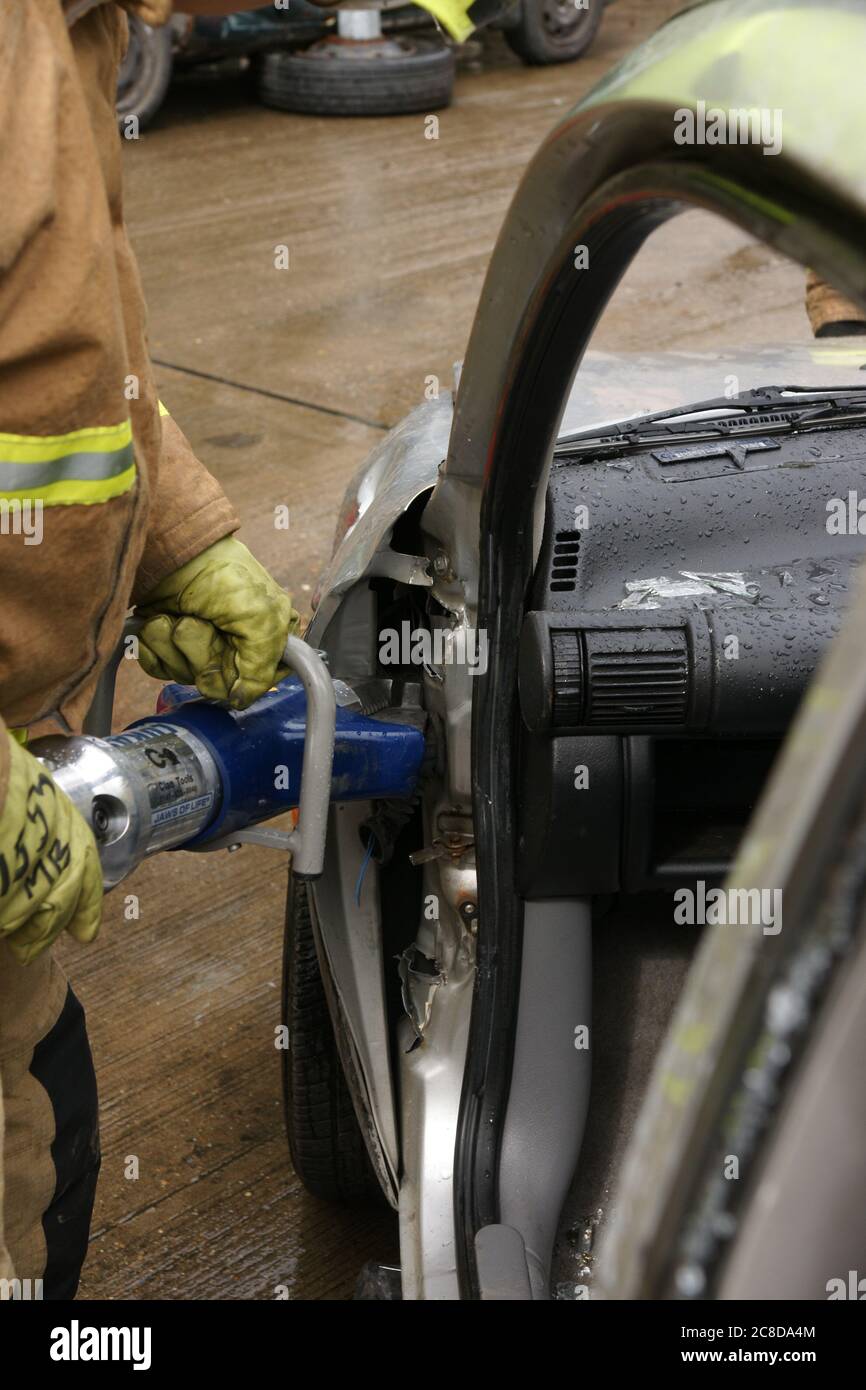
[(86, 461), (119, 497)]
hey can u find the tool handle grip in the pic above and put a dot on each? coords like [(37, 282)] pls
[(307, 840)]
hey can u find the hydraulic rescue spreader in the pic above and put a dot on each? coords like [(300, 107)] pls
[(197, 775)]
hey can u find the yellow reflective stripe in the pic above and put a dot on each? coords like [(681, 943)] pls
[(84, 466), (76, 493), (44, 448), (163, 410)]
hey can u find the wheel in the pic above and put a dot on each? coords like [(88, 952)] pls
[(387, 78), (325, 1140), (554, 31), (145, 72)]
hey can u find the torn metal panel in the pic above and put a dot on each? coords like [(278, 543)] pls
[(401, 467), (419, 979)]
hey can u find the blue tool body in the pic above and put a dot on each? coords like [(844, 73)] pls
[(259, 752)]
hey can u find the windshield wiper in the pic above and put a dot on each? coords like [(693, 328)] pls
[(765, 408)]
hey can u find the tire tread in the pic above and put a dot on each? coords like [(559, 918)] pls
[(325, 1140), (422, 81)]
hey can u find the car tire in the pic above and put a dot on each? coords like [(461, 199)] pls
[(145, 72), (325, 81), (325, 1140), (553, 31)]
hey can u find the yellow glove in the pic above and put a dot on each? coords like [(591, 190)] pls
[(50, 876), (220, 622)]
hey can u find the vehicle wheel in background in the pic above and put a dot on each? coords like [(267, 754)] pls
[(553, 31), (382, 77), (145, 72), (327, 1147)]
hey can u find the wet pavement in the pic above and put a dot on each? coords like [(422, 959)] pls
[(283, 380)]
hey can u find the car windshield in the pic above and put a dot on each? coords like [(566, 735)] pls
[(614, 389), (764, 409)]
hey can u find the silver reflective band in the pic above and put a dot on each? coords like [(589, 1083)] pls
[(80, 466)]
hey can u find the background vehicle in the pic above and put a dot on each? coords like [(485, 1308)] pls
[(389, 58), (468, 1083)]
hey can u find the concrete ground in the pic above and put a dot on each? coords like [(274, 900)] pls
[(283, 380)]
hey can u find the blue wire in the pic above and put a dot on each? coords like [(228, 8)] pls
[(365, 862)]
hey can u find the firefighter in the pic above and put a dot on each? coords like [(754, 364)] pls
[(126, 515)]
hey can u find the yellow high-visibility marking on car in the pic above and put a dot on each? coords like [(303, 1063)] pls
[(84, 467)]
